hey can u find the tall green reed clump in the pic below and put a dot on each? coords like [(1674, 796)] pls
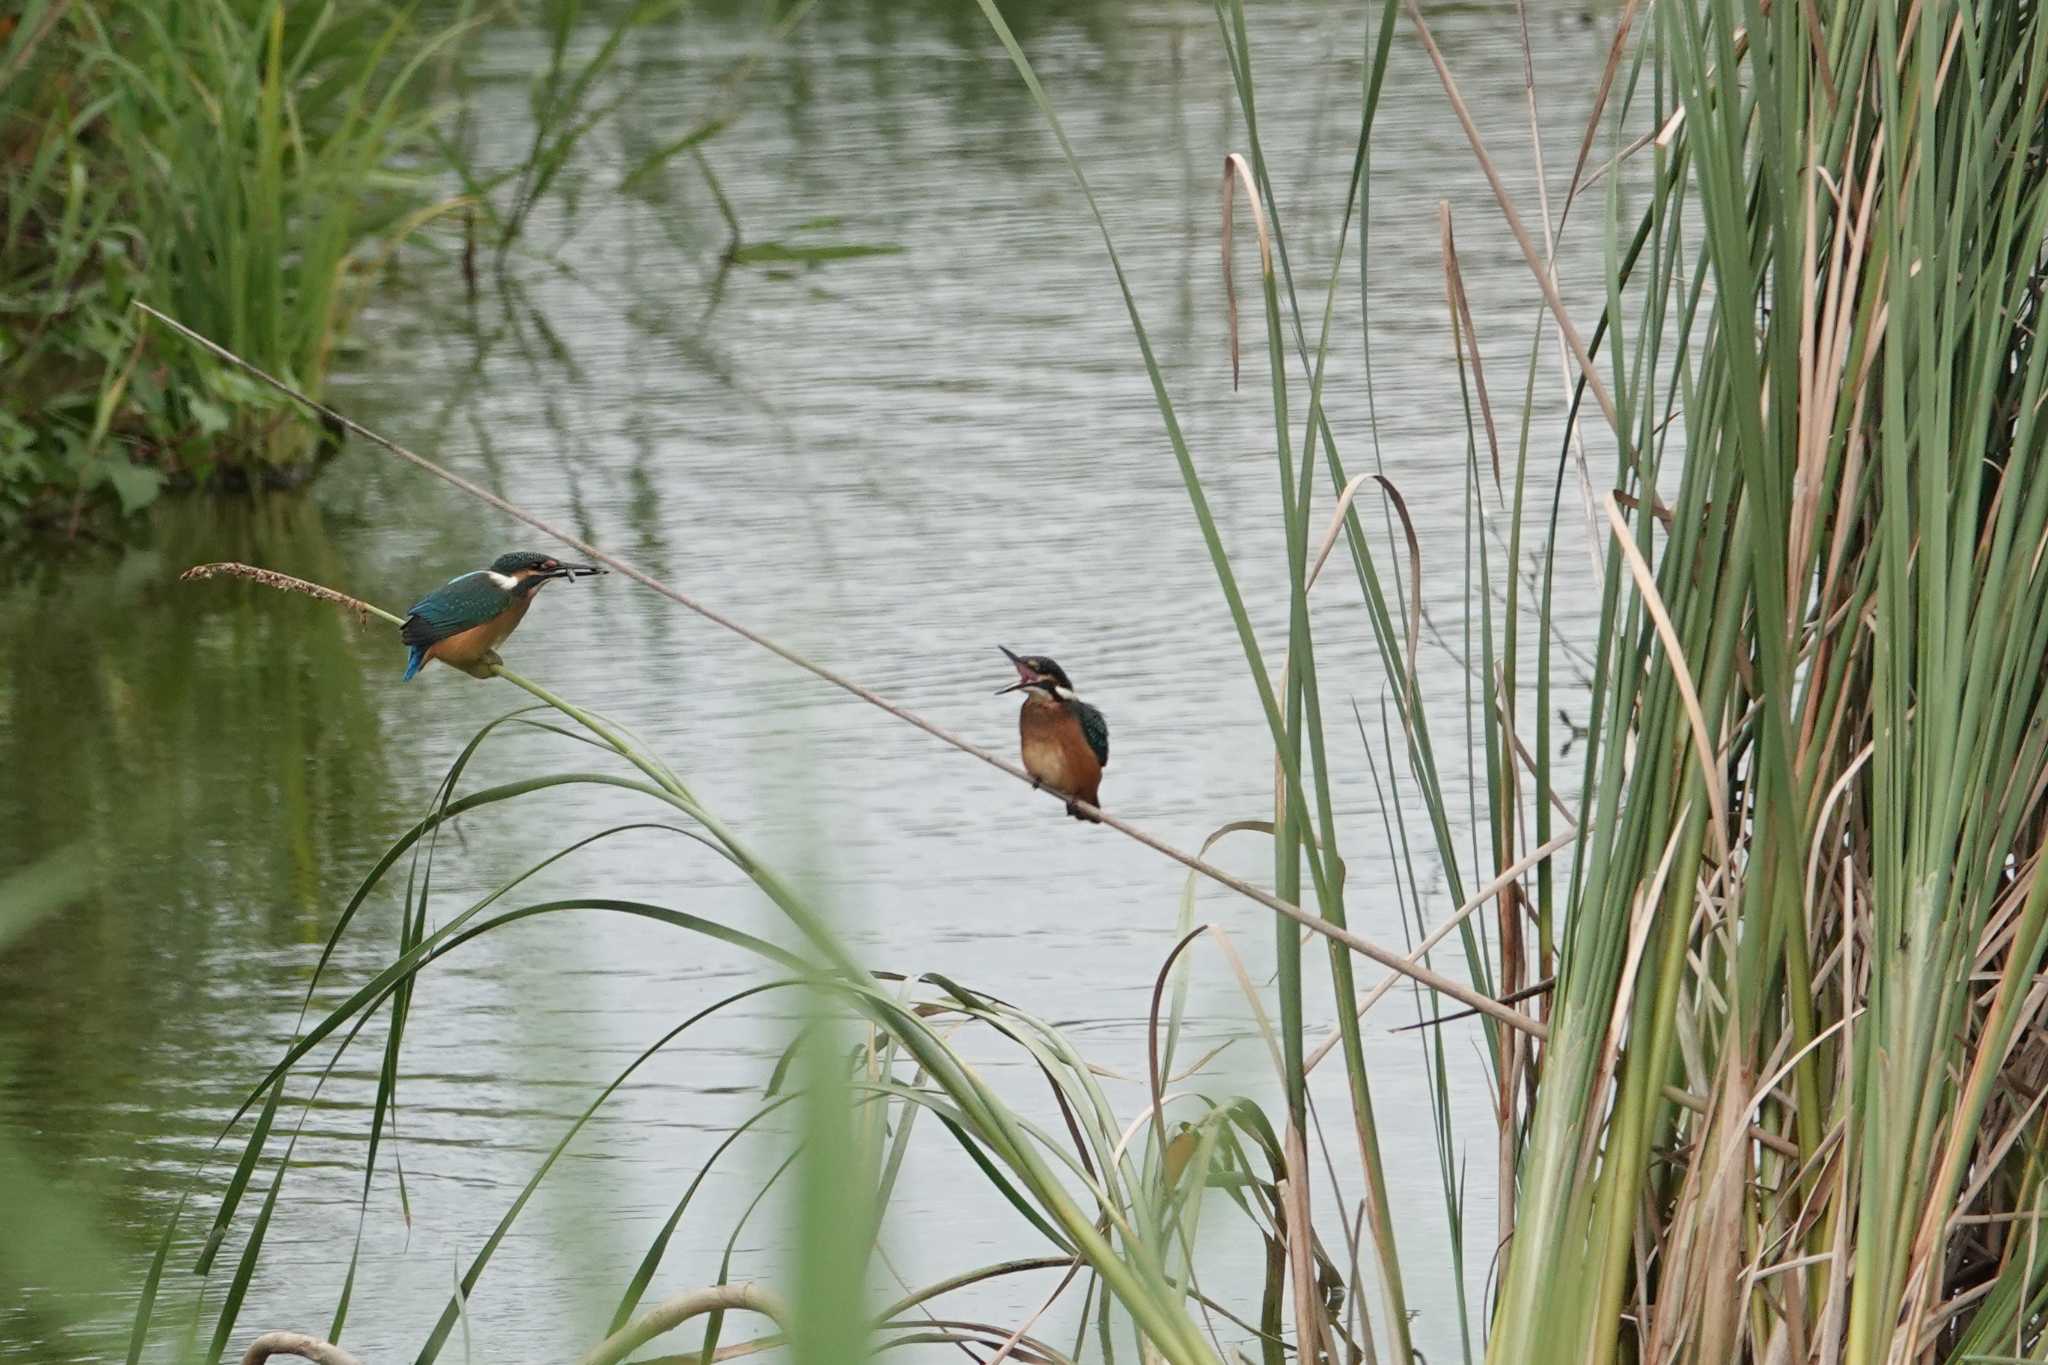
[(235, 162), (1811, 889)]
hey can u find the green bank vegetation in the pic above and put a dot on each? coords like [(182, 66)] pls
[(229, 160), (1783, 1102), (252, 166)]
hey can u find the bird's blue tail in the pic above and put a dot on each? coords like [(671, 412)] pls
[(419, 657)]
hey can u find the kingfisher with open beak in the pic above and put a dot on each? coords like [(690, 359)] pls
[(463, 621), (1066, 741)]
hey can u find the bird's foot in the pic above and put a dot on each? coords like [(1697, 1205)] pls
[(1074, 809), (1036, 783), (485, 666)]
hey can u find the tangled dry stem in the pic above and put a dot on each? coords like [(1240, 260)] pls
[(296, 1344), (678, 1309), (665, 1316)]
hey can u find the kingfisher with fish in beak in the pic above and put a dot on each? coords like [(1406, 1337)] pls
[(462, 622), (1065, 740)]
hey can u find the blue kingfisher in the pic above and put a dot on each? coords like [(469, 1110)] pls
[(1066, 741), (463, 621)]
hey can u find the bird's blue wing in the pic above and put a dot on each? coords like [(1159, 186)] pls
[(452, 608), (1095, 727)]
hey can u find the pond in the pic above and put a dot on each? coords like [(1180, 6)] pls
[(893, 462)]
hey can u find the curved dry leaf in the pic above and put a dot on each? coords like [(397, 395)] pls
[(1236, 171), (1336, 525), (1681, 671), (1465, 333), (1414, 576)]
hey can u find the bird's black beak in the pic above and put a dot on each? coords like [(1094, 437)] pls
[(1024, 675), (573, 571)]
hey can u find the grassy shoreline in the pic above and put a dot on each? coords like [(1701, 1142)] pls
[(234, 162)]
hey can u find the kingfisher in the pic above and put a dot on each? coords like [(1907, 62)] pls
[(1065, 740), (463, 621)]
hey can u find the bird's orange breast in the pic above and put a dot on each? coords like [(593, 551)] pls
[(466, 648), (1055, 750)]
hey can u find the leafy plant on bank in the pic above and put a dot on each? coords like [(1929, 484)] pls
[(234, 162)]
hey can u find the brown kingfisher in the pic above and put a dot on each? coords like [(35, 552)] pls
[(463, 621), (1065, 740)]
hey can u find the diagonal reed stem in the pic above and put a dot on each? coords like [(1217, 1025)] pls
[(1386, 957)]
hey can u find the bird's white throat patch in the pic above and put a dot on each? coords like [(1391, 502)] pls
[(505, 581), (1065, 693)]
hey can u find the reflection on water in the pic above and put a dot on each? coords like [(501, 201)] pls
[(894, 462)]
